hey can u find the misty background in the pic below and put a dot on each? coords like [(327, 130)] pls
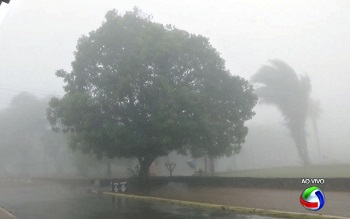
[(39, 37)]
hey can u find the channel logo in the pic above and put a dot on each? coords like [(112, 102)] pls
[(312, 198)]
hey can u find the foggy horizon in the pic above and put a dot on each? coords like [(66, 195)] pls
[(39, 37), (147, 119)]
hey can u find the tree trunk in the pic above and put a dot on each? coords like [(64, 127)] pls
[(302, 149), (145, 164), (315, 128), (109, 169), (144, 170), (211, 166), (299, 135), (303, 153)]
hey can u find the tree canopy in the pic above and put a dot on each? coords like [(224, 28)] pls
[(25, 137), (141, 89)]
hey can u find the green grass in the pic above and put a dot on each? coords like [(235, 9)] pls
[(330, 171)]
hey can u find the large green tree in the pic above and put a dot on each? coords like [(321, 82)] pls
[(141, 89), (281, 86)]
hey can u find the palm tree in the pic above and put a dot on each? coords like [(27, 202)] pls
[(314, 112), (281, 86)]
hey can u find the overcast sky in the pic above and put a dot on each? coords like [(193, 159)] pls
[(38, 37)]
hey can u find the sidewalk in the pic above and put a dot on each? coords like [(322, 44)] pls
[(337, 203), (4, 214)]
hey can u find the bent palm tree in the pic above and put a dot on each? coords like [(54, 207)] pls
[(291, 94), (314, 114)]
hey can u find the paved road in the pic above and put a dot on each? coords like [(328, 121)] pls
[(337, 203), (42, 201), (38, 200)]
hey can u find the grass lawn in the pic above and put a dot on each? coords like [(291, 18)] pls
[(317, 171)]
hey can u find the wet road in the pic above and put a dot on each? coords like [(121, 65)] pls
[(57, 202), (94, 207)]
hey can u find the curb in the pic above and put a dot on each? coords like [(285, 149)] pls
[(240, 210), (7, 213)]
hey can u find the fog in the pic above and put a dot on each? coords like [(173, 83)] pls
[(38, 37)]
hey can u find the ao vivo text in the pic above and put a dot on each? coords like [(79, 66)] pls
[(312, 181)]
